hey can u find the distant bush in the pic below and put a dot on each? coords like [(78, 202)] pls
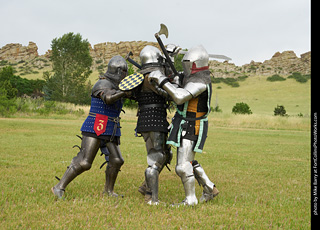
[(280, 111), (216, 80), (3, 63), (233, 82), (241, 108), (242, 78), (299, 77), (276, 77), (216, 109)]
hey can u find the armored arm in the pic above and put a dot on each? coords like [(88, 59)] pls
[(107, 92), (162, 93), (111, 96), (179, 95)]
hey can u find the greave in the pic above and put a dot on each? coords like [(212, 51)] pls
[(152, 179), (202, 177), (189, 189), (67, 177), (143, 187), (111, 177), (185, 172)]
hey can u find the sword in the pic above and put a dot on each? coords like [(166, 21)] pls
[(218, 56)]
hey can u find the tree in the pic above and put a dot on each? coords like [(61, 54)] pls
[(280, 111), (6, 74), (71, 62), (241, 108)]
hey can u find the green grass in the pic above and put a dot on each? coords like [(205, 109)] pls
[(260, 164), (263, 96)]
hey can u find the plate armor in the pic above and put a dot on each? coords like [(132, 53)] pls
[(189, 126), (100, 129), (152, 123)]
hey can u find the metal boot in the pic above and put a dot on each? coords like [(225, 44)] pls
[(68, 176)]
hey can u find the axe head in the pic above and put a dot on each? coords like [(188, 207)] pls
[(163, 30), (128, 55)]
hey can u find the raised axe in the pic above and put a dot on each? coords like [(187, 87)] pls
[(132, 61), (164, 30)]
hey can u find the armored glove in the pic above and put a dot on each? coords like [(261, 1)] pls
[(158, 78)]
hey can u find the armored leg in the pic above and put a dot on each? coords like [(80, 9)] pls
[(143, 189), (155, 144), (82, 162), (113, 168), (152, 180), (184, 170), (209, 189)]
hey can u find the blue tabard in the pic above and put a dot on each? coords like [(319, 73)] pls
[(112, 111)]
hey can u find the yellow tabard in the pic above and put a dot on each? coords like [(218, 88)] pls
[(192, 107)]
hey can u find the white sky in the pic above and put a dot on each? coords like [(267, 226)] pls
[(244, 30)]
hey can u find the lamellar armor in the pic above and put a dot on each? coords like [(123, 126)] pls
[(152, 100)]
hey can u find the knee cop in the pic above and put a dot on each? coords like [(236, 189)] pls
[(184, 170)]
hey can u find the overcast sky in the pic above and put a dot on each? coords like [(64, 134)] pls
[(244, 30)]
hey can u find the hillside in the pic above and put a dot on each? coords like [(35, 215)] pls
[(263, 96), (27, 61)]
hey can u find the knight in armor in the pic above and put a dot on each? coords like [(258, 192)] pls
[(101, 128), (189, 125), (152, 122)]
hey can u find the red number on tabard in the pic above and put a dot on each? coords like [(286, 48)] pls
[(100, 124)]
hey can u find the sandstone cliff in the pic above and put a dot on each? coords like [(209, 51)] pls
[(283, 63), (15, 52)]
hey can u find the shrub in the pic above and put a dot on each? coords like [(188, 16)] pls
[(215, 80), (233, 82), (280, 111), (7, 105), (242, 78), (241, 108), (299, 77), (216, 109), (276, 77)]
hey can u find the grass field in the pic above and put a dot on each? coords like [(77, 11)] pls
[(263, 175), (259, 162), (263, 96)]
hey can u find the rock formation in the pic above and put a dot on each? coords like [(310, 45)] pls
[(283, 63), (103, 52), (15, 52)]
